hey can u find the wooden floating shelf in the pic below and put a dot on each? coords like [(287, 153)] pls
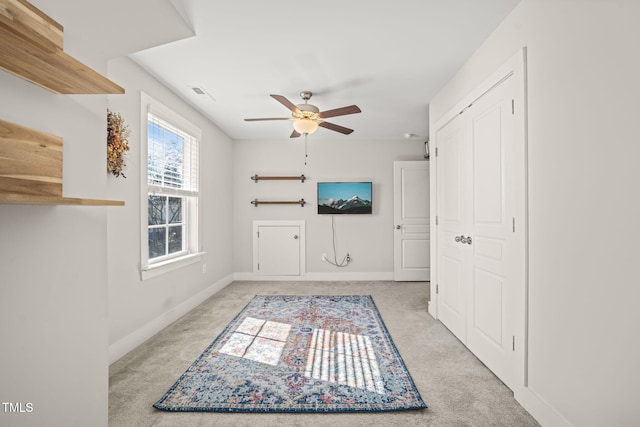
[(31, 169), (257, 202), (31, 47), (257, 178), (24, 199)]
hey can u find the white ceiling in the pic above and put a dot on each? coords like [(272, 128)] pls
[(388, 57)]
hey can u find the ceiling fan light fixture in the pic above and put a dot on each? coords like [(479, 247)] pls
[(305, 126)]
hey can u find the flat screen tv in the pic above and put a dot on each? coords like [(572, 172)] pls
[(344, 198)]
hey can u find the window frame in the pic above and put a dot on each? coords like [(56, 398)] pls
[(184, 224), (191, 252)]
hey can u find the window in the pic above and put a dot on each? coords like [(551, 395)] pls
[(170, 188)]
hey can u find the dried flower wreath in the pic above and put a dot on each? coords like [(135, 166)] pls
[(117, 143)]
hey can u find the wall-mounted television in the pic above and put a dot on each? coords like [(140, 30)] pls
[(344, 198)]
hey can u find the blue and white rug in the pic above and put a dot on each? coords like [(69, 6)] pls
[(298, 354)]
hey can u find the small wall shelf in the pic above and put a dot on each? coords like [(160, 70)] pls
[(257, 178), (257, 202), (31, 169), (31, 47)]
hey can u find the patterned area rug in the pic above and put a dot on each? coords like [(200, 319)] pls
[(298, 354)]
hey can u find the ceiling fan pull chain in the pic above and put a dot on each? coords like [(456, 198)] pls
[(306, 155)]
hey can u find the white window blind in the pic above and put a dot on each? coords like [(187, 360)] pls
[(173, 158)]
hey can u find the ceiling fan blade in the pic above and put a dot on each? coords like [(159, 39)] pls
[(295, 134), (284, 101), (267, 118), (334, 127), (343, 111)]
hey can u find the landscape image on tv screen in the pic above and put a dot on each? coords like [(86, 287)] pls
[(344, 198)]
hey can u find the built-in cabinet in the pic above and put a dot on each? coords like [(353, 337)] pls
[(278, 248)]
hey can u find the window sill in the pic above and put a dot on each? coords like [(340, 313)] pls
[(157, 269)]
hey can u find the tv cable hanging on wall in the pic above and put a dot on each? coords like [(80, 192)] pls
[(347, 258)]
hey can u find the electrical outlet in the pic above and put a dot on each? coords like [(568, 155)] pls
[(324, 256), (348, 257)]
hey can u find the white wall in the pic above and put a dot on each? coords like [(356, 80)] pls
[(53, 271), (367, 238), (583, 206), (138, 309)]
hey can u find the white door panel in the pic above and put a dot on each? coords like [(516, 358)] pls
[(487, 294), (416, 254), (488, 170)]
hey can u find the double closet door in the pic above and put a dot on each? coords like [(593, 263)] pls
[(477, 197)]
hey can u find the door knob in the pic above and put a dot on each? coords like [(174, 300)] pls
[(463, 240), (398, 227), (295, 236)]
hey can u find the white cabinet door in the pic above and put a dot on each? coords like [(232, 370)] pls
[(411, 216), (278, 248)]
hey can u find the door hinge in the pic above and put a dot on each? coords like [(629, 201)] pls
[(436, 151), (258, 234), (513, 106), (436, 219), (437, 288), (258, 266), (513, 343), (513, 224)]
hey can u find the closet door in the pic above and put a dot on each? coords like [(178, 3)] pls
[(490, 136), (476, 197), (453, 221)]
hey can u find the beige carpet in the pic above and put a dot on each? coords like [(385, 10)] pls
[(459, 390)]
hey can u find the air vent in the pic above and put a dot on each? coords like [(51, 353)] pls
[(199, 90)]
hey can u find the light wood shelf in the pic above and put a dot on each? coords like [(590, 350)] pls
[(31, 169), (24, 199), (31, 47)]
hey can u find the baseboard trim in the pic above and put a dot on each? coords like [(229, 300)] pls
[(431, 309), (317, 277), (540, 409), (139, 336)]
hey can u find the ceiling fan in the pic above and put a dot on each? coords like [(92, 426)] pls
[(306, 117)]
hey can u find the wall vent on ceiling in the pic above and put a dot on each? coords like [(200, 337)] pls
[(198, 90)]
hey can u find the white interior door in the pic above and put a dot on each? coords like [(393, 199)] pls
[(477, 195), (491, 138), (411, 215), (278, 248), (453, 204)]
